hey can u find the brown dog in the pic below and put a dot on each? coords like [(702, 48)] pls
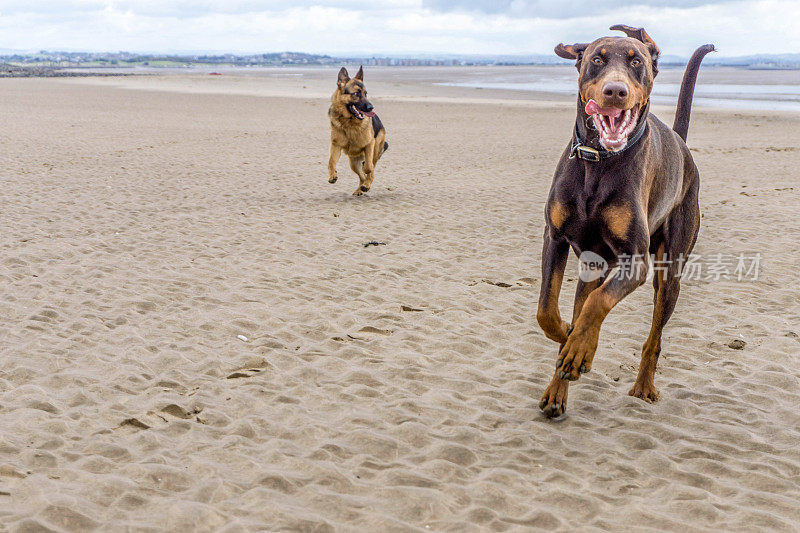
[(355, 130), (626, 187)]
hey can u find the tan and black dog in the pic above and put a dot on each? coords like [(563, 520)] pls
[(355, 130), (626, 187)]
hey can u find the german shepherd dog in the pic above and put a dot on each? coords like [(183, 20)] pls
[(355, 130)]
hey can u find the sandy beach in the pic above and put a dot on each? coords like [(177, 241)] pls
[(193, 335)]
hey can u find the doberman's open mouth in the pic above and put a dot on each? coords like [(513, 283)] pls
[(358, 113), (613, 124)]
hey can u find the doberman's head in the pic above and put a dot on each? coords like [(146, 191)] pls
[(614, 82), (351, 94)]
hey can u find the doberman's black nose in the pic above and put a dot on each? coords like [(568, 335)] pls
[(615, 90)]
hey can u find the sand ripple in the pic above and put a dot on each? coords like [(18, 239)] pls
[(388, 388)]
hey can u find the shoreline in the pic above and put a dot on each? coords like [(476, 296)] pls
[(388, 84)]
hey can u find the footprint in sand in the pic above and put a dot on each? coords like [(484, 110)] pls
[(497, 283), (245, 373), (370, 330)]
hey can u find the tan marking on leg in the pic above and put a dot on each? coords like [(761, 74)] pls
[(582, 292), (577, 354), (549, 316), (558, 214), (618, 219), (644, 387), (554, 399)]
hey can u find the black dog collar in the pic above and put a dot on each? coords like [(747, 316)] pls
[(587, 153)]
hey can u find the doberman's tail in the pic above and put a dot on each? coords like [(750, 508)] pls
[(684, 111)]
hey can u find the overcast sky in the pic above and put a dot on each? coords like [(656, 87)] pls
[(391, 26)]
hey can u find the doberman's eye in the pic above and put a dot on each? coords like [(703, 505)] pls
[(635, 62), (597, 60)]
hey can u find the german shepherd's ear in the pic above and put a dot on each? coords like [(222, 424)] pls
[(344, 77), (360, 74), (572, 51)]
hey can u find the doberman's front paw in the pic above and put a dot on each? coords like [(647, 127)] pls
[(358, 192), (554, 399), (333, 177), (644, 390), (576, 356)]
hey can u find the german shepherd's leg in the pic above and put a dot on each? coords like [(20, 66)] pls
[(357, 165), (336, 152), (380, 142), (577, 354), (677, 243), (369, 165), (554, 260)]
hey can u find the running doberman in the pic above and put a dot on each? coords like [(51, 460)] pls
[(625, 194)]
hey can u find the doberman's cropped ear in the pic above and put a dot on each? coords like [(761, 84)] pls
[(640, 35), (343, 77), (360, 74), (571, 51)]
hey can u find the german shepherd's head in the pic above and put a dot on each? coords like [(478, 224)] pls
[(350, 97)]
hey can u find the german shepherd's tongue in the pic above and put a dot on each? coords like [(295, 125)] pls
[(369, 113)]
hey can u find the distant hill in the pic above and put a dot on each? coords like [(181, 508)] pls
[(62, 59), (759, 61)]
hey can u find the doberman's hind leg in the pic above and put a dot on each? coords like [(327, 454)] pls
[(674, 245), (667, 287), (357, 165)]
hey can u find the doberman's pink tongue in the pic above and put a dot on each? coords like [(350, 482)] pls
[(592, 108), (613, 113)]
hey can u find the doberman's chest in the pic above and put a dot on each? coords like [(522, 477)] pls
[(589, 222)]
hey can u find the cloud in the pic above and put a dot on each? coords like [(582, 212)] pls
[(388, 27), (550, 9)]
